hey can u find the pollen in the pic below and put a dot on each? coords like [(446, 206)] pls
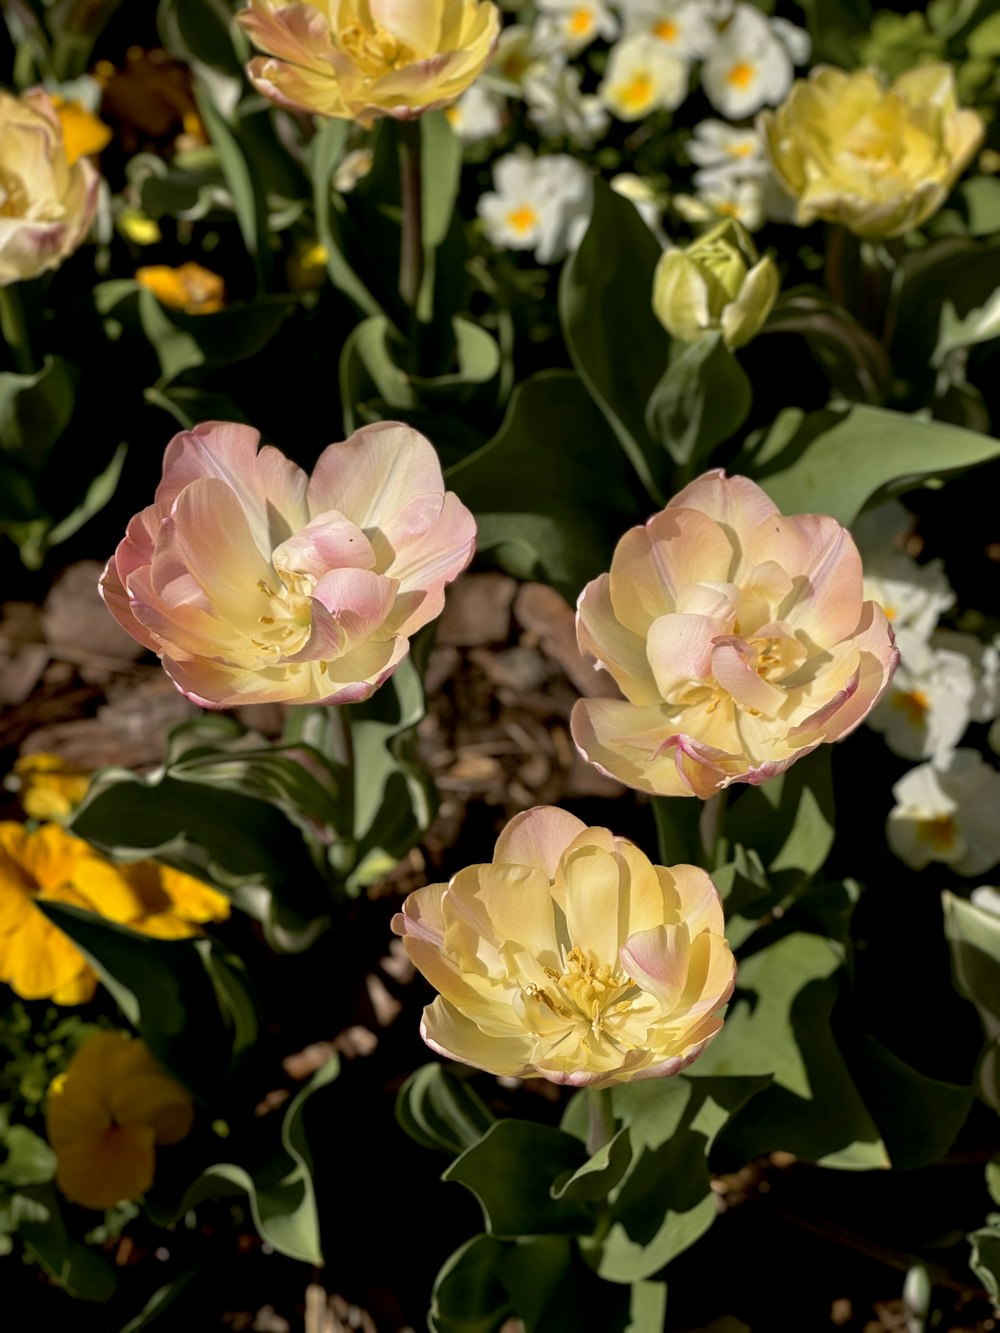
[(523, 219), (742, 74)]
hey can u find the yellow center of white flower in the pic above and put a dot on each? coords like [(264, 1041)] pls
[(941, 832), (585, 993), (522, 219), (638, 92), (666, 30), (914, 704), (580, 22), (742, 74)]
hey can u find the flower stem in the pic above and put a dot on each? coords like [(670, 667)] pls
[(14, 327), (411, 254), (600, 1119), (711, 828), (341, 752)]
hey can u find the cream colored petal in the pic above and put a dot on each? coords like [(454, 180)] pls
[(680, 651), (595, 917), (619, 650), (449, 1032), (737, 503), (538, 837), (657, 961)]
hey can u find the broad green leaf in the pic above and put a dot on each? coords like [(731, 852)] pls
[(204, 30), (35, 410), (703, 398), (79, 1270), (511, 1171), (839, 459), (280, 1187), (787, 821), (441, 170), (618, 346), (249, 201), (598, 1176), (974, 938), (167, 989), (325, 152), (468, 1295), (533, 486), (440, 1111), (985, 1258), (25, 1157)]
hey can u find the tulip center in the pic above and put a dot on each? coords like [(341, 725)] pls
[(13, 197), (585, 992), (285, 627), (374, 49)]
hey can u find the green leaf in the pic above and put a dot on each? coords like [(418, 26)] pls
[(248, 194), (598, 1176), (984, 39), (511, 1170), (280, 1188), (468, 1295), (80, 1271), (167, 989), (664, 1202), (532, 487), (441, 1111), (325, 152), (35, 410), (25, 1157), (835, 26), (206, 31), (441, 170), (838, 459), (985, 1258), (974, 939), (607, 289), (163, 1300), (702, 399)]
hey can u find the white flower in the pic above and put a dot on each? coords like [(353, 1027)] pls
[(557, 108), (948, 813), (729, 197), (927, 707), (642, 76), (682, 26), (647, 202), (911, 595), (478, 114), (352, 167), (985, 661), (749, 67), (540, 203), (521, 51), (574, 24), (986, 898), (721, 151)]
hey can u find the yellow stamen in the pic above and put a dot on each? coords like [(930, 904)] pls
[(523, 219), (742, 74)]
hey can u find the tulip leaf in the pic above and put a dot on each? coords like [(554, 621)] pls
[(325, 152), (441, 1111), (205, 31), (702, 399), (511, 1171), (191, 1007), (441, 170), (663, 1202), (606, 289), (247, 192), (280, 1187), (596, 1178), (532, 487), (836, 460), (985, 1257), (974, 938), (79, 1270), (35, 410), (541, 1281)]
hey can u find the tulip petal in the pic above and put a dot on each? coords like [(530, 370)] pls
[(538, 837)]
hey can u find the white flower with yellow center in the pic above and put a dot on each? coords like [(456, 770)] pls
[(927, 708), (729, 197), (558, 109), (912, 596), (574, 24), (540, 203), (683, 26), (748, 67), (948, 813), (521, 52), (570, 957), (642, 77), (721, 151), (478, 114)]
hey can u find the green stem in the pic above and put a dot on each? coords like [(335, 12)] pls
[(600, 1119), (711, 827), (14, 327), (341, 752), (411, 253)]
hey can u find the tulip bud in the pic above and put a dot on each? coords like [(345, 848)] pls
[(716, 284)]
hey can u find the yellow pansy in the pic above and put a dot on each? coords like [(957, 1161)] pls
[(49, 787), (83, 133), (105, 1116), (189, 287)]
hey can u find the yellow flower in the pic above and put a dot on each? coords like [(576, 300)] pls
[(83, 133), (48, 864), (191, 288), (361, 59), (718, 283), (878, 160), (50, 788), (570, 957), (105, 1115), (47, 202)]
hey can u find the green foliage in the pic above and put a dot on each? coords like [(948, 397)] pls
[(703, 398), (606, 290), (440, 1111), (532, 487), (974, 939), (828, 462)]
